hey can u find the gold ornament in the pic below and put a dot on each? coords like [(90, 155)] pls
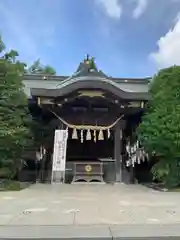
[(88, 168)]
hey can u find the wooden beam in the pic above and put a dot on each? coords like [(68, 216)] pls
[(118, 152)]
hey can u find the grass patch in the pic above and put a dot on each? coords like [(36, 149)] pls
[(175, 189), (161, 187), (10, 185)]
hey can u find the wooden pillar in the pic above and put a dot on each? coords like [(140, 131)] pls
[(132, 177), (118, 152)]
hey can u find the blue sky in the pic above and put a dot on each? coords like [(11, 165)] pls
[(128, 38)]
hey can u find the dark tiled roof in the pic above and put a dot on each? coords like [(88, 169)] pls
[(71, 85), (41, 77), (101, 74), (55, 93), (145, 80)]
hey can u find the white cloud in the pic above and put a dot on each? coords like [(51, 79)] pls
[(168, 52), (111, 7), (140, 8)]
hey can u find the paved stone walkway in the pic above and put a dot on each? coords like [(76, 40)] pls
[(93, 204)]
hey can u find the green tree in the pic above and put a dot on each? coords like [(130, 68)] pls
[(92, 64), (159, 131), (2, 46), (35, 67), (14, 115), (11, 56), (48, 70), (38, 68)]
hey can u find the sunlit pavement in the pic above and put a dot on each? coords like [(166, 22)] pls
[(89, 204)]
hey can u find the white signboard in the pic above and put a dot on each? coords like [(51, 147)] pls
[(59, 155)]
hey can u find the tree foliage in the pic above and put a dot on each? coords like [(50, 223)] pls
[(14, 115), (159, 131), (38, 68), (92, 64)]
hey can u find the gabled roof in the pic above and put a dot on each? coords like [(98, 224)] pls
[(73, 84), (42, 77), (86, 76)]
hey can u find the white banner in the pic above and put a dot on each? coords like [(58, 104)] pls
[(59, 155)]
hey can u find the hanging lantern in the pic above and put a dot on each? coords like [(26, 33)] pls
[(88, 135), (74, 134)]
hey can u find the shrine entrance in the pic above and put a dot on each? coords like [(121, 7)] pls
[(96, 110), (90, 158), (91, 122), (90, 150)]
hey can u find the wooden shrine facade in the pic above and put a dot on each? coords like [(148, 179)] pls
[(100, 113)]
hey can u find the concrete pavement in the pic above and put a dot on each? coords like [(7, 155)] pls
[(82, 204), (86, 206), (122, 232)]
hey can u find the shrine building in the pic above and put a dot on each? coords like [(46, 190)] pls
[(100, 113)]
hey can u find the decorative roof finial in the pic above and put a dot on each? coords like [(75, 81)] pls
[(87, 57)]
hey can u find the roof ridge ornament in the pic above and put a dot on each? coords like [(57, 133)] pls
[(88, 67), (90, 62)]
